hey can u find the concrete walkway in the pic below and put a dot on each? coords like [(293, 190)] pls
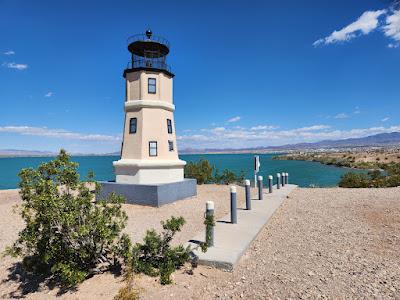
[(232, 240)]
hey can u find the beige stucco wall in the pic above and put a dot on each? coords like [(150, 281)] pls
[(151, 121), (137, 86), (151, 126)]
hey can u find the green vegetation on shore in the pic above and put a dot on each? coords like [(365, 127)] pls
[(381, 174), (373, 179), (204, 172), (347, 161)]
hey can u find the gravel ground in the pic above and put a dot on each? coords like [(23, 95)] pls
[(321, 243)]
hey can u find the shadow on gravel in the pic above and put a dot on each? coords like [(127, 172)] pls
[(29, 282), (226, 222)]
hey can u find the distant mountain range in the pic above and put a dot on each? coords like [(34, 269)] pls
[(377, 140)]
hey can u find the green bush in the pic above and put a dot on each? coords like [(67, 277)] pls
[(202, 171), (228, 177), (354, 180), (156, 257), (375, 178), (66, 234)]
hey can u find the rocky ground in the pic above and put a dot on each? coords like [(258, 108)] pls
[(322, 243), (362, 159)]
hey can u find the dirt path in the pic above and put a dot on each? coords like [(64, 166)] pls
[(333, 243)]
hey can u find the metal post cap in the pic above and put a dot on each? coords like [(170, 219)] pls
[(270, 177), (233, 189), (210, 205), (260, 178), (278, 175), (247, 182)]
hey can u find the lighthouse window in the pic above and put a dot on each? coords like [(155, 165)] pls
[(152, 148), (151, 85), (169, 125), (171, 145), (132, 125)]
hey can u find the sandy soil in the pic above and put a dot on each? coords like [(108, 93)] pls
[(325, 243)]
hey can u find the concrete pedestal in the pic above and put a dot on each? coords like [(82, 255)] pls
[(150, 194)]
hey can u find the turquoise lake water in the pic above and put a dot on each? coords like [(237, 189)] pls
[(302, 173)]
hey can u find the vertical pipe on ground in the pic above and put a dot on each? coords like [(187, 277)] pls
[(278, 181), (260, 187), (270, 183), (233, 205), (283, 179), (247, 194), (209, 227), (287, 178)]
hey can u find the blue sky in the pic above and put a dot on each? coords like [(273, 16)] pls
[(248, 73)]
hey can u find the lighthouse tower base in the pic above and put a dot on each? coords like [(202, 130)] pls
[(136, 171), (150, 183), (150, 194)]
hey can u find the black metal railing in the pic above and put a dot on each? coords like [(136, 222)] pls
[(149, 63), (143, 37)]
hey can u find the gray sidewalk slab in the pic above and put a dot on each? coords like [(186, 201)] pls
[(232, 240)]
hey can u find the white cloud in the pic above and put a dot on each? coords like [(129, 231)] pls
[(392, 28), (366, 23), (49, 94), (234, 119), (58, 133), (313, 128), (341, 116), (13, 65), (385, 119), (243, 138), (9, 52), (264, 127), (357, 110)]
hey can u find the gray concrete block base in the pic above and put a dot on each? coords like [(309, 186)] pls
[(150, 194), (232, 240)]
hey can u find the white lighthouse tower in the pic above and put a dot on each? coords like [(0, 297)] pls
[(149, 155)]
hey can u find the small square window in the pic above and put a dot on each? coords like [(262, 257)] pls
[(132, 125), (152, 87), (152, 148), (171, 145), (169, 125)]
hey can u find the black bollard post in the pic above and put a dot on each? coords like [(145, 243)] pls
[(247, 194), (270, 183), (260, 187), (233, 205), (278, 181)]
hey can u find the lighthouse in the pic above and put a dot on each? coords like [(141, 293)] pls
[(149, 160)]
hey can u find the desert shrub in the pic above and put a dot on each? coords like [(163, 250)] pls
[(128, 291), (389, 178), (202, 171), (354, 180), (156, 257), (375, 174), (228, 177), (67, 235)]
